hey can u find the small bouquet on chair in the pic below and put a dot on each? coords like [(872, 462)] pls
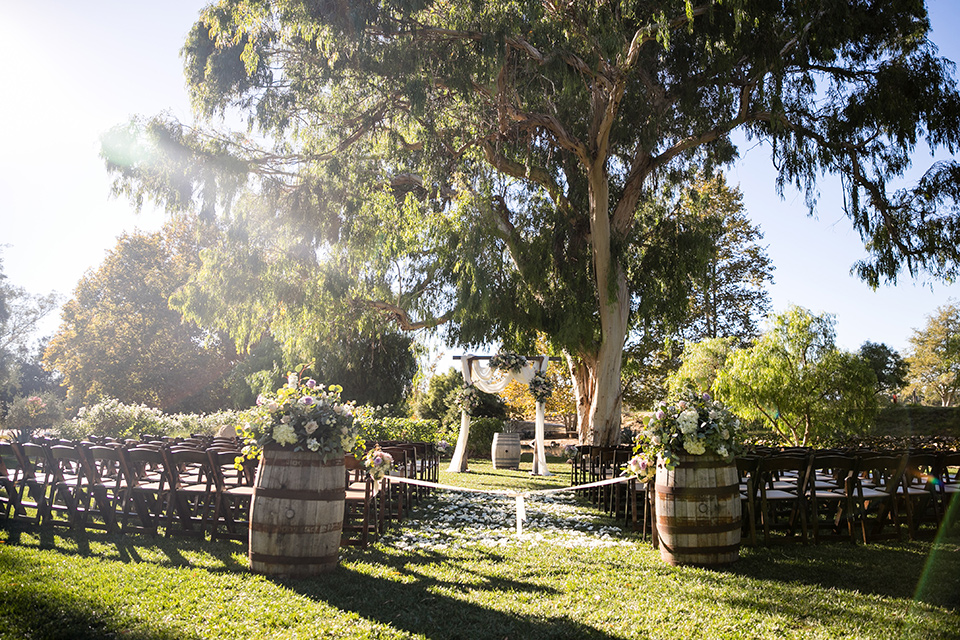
[(378, 463)]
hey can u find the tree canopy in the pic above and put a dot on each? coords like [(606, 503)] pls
[(934, 357), (120, 339), (506, 168), (795, 382)]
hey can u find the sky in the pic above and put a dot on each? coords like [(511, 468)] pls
[(75, 69)]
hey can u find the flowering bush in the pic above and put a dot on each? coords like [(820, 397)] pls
[(302, 415), (378, 463), (541, 387), (508, 361), (692, 424)]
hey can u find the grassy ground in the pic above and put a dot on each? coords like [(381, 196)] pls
[(456, 569)]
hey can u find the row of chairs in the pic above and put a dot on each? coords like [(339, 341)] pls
[(816, 493), (189, 487), (184, 486), (372, 505)]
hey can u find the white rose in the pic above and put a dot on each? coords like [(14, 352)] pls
[(310, 427)]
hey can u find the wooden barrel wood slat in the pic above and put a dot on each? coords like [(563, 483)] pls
[(505, 451), (698, 511), (296, 516)]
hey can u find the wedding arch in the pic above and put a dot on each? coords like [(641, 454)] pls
[(480, 373)]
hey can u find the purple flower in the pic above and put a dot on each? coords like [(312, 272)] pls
[(706, 397), (307, 400), (311, 383)]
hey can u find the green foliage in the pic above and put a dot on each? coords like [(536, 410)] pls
[(374, 428), (889, 367), (433, 405), (701, 362), (480, 439), (29, 413), (505, 169), (20, 314), (798, 384), (904, 420), (114, 419), (119, 338), (729, 295), (934, 357)]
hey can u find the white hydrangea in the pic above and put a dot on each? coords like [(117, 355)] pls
[(694, 446), (688, 421), (284, 434)]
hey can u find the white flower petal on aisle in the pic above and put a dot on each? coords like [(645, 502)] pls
[(468, 519)]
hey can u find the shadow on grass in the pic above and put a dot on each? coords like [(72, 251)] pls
[(923, 571), (34, 604), (415, 602)]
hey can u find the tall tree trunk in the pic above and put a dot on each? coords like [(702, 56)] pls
[(596, 373)]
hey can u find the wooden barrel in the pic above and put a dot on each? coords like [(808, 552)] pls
[(296, 515), (505, 451), (698, 511)]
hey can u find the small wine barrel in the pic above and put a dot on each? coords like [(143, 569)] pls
[(296, 515), (698, 511), (505, 451)]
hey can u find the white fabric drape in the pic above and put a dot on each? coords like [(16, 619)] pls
[(491, 380)]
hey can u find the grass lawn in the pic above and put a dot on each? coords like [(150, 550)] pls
[(456, 569)]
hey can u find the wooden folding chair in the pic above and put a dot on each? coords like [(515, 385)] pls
[(192, 493), (149, 490), (111, 486), (920, 494), (747, 469), (69, 486), (233, 496), (831, 489), (783, 500), (33, 481), (877, 487), (948, 466), (362, 515), (10, 474)]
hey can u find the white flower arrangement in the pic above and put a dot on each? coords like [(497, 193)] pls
[(508, 361), (541, 387), (693, 424), (378, 463), (468, 399), (305, 416)]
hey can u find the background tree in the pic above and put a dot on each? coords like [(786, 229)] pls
[(701, 363), (510, 159), (795, 382), (729, 296), (888, 365), (20, 314), (934, 357), (440, 401), (120, 339)]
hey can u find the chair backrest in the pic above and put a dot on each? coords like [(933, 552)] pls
[(224, 471), (884, 471)]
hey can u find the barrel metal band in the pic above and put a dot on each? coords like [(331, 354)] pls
[(689, 463), (266, 527), (316, 461), (721, 492), (726, 527), (729, 548), (318, 495), (295, 560)]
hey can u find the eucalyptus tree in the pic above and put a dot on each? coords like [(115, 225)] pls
[(498, 168)]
